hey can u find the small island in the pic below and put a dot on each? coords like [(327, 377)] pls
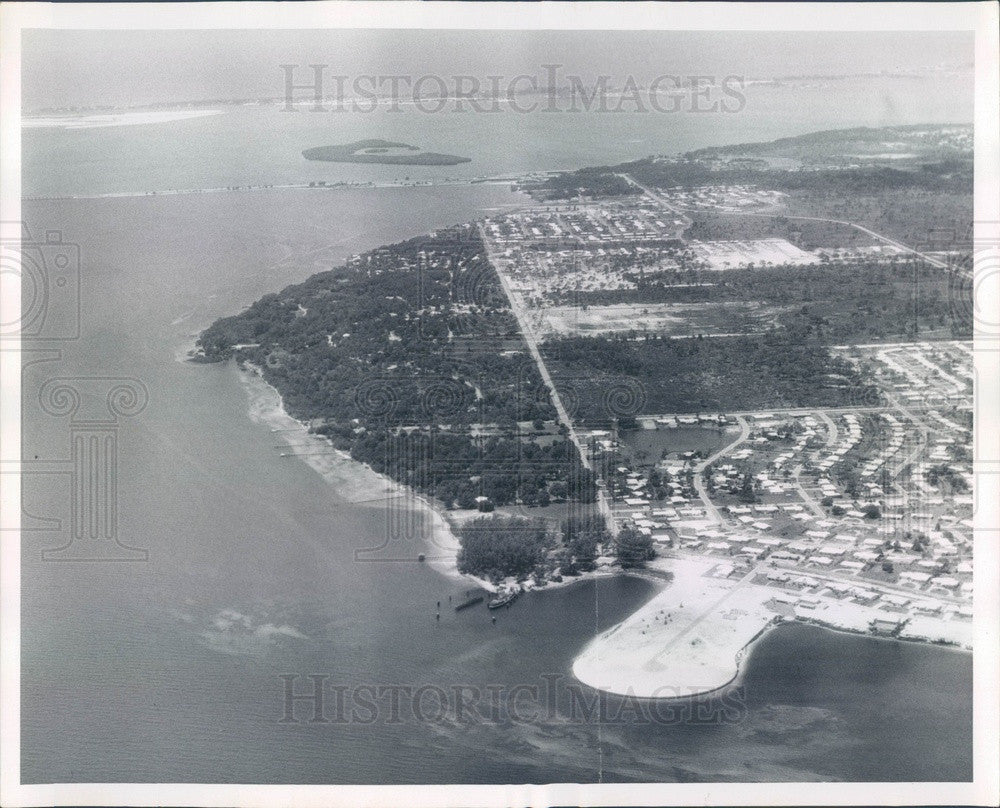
[(384, 152)]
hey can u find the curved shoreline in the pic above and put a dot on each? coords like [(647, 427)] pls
[(681, 643), (944, 646), (266, 405), (440, 543), (703, 651), (604, 662)]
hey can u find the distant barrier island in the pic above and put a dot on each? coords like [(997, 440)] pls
[(384, 152)]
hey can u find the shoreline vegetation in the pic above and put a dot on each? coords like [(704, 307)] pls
[(382, 152), (387, 356), (409, 361), (626, 659), (355, 481)]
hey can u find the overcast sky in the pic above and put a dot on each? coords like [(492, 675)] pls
[(85, 68)]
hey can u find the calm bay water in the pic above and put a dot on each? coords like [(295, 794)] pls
[(257, 145), (169, 670)]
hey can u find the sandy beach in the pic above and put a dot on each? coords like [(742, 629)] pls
[(415, 525), (114, 119), (695, 635), (691, 638), (684, 641)]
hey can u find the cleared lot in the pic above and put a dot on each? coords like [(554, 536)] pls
[(669, 319), (722, 255)]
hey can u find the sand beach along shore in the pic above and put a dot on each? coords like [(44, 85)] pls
[(99, 120), (429, 528), (683, 642), (423, 525), (690, 639), (694, 636)]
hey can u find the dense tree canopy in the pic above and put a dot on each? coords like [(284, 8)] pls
[(496, 547), (410, 358), (632, 548)]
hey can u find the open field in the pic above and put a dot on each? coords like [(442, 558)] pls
[(665, 319), (726, 225), (722, 255)]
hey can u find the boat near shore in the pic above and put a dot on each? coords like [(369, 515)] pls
[(503, 598)]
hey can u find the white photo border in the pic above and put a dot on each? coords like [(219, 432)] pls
[(979, 17)]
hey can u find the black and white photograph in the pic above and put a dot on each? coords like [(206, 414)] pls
[(500, 404)]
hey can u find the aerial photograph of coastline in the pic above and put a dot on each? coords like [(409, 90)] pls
[(413, 406)]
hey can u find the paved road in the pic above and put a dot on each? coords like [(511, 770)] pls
[(699, 484), (967, 343), (657, 196), (864, 583), (805, 496), (831, 429), (897, 465), (531, 341), (906, 409), (832, 435), (823, 575)]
